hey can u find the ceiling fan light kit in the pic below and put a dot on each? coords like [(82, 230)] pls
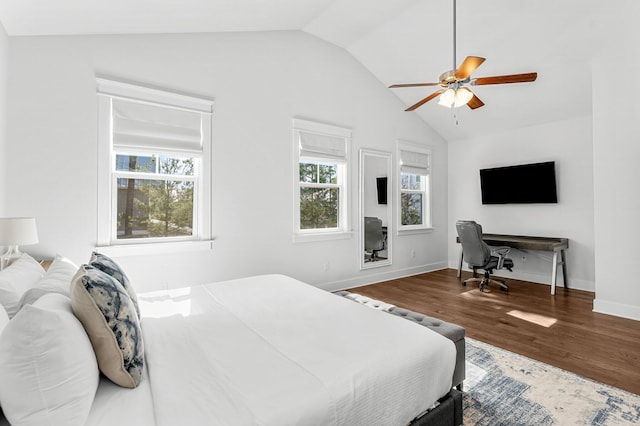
[(455, 98), (455, 91)]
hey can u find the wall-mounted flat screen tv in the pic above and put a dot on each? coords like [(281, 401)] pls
[(521, 184), (381, 184)]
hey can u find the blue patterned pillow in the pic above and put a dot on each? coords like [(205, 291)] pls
[(109, 317), (107, 265)]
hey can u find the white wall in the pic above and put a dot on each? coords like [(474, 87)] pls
[(259, 82), (4, 71), (569, 144), (617, 198)]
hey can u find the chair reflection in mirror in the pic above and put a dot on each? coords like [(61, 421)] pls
[(374, 239)]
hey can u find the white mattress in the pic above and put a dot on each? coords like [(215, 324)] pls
[(270, 350)]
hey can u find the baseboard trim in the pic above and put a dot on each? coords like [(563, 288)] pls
[(616, 309), (574, 283), (373, 278)]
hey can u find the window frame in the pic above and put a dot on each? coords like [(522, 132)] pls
[(107, 241), (343, 230), (426, 190)]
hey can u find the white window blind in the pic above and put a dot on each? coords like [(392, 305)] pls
[(139, 125), (416, 163), (322, 146)]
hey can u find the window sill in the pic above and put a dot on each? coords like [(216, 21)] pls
[(155, 248), (411, 231), (322, 236)]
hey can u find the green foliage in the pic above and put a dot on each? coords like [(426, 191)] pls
[(411, 208), (411, 202), (319, 205), (150, 208), (319, 208)]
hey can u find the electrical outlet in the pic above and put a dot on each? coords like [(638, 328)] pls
[(413, 253), (325, 266)]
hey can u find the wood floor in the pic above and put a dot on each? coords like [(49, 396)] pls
[(560, 330)]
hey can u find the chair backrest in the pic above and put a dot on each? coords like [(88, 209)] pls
[(476, 251), (373, 236)]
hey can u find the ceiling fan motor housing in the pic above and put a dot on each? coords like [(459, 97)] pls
[(449, 77)]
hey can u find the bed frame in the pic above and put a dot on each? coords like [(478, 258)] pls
[(447, 413)]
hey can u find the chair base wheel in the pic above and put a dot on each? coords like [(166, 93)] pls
[(483, 284)]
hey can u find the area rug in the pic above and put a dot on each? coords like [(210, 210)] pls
[(507, 389)]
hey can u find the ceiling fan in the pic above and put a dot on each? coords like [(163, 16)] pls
[(455, 83)]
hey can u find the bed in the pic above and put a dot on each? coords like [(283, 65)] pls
[(271, 350)]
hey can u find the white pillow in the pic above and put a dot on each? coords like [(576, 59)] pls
[(48, 371), (17, 278), (59, 274), (57, 279)]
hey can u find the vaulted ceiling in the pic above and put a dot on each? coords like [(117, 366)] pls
[(400, 41)]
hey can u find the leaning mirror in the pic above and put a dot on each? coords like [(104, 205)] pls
[(375, 208)]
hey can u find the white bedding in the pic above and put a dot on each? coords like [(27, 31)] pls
[(114, 405), (270, 350)]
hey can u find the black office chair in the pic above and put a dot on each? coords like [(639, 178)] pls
[(479, 255), (373, 237)]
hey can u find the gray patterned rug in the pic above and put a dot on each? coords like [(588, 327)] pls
[(507, 389)]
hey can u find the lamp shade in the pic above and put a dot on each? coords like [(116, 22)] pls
[(463, 96), (455, 98), (18, 231), (447, 99)]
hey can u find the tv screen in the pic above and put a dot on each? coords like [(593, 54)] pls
[(381, 183), (521, 184)]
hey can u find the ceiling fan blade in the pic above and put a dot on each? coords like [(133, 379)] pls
[(475, 102), (395, 86), (504, 79), (470, 64), (425, 100)]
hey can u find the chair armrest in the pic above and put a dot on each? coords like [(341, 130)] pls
[(501, 252)]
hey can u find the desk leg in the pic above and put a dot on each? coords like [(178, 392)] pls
[(564, 268), (460, 262), (554, 273)]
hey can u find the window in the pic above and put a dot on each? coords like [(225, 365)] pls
[(414, 207), (320, 190), (154, 195), (154, 166)]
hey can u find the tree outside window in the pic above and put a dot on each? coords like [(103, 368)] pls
[(412, 199), (319, 195), (157, 203)]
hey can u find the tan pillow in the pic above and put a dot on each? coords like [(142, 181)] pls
[(109, 317)]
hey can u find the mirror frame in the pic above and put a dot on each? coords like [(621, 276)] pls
[(364, 154)]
